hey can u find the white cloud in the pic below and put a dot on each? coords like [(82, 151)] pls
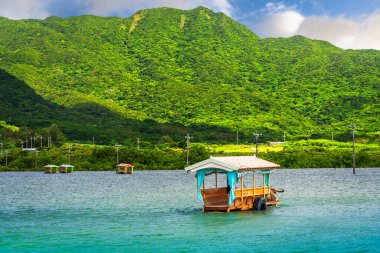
[(343, 32), (20, 9), (279, 20), (121, 7), (222, 6), (282, 24)]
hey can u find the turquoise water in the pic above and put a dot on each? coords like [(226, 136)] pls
[(323, 210)]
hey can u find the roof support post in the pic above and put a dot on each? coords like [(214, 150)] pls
[(264, 185), (242, 187), (216, 179), (253, 184)]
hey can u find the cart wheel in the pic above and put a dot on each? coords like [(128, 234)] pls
[(260, 204)]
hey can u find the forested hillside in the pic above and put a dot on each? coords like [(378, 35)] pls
[(168, 72)]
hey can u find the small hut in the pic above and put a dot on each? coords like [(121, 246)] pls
[(51, 169), (234, 195), (66, 168), (124, 168)]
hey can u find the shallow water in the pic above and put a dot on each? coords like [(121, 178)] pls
[(323, 210)]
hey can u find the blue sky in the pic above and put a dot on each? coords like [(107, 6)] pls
[(345, 23)]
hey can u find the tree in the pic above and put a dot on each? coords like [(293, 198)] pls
[(56, 135)]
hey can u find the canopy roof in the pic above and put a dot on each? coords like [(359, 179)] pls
[(51, 166), (66, 166), (233, 163), (125, 165)]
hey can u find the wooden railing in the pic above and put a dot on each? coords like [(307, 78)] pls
[(258, 191)]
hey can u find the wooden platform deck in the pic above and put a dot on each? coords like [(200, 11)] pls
[(216, 199), (123, 172)]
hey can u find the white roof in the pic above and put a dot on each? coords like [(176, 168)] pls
[(50, 166), (125, 165), (66, 166), (233, 163)]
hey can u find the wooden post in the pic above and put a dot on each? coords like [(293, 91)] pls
[(203, 185), (264, 185), (253, 184), (242, 187), (216, 179)]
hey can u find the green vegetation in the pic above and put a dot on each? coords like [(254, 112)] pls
[(167, 154), (308, 153), (165, 72), (100, 158), (298, 154), (168, 72)]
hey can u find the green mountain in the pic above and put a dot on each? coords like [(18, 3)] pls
[(168, 72)]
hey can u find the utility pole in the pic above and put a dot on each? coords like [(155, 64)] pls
[(256, 134), (117, 153), (41, 141), (69, 148), (353, 147), (1, 144), (188, 137), (93, 141), (6, 158), (36, 163), (138, 143), (31, 142), (284, 135)]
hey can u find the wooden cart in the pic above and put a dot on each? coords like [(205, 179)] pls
[(51, 169), (66, 168), (124, 168), (234, 195)]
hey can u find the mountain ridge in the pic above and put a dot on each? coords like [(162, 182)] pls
[(193, 67)]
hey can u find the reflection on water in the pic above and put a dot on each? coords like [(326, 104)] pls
[(322, 210)]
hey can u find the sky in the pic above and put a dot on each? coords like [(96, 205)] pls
[(349, 24)]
